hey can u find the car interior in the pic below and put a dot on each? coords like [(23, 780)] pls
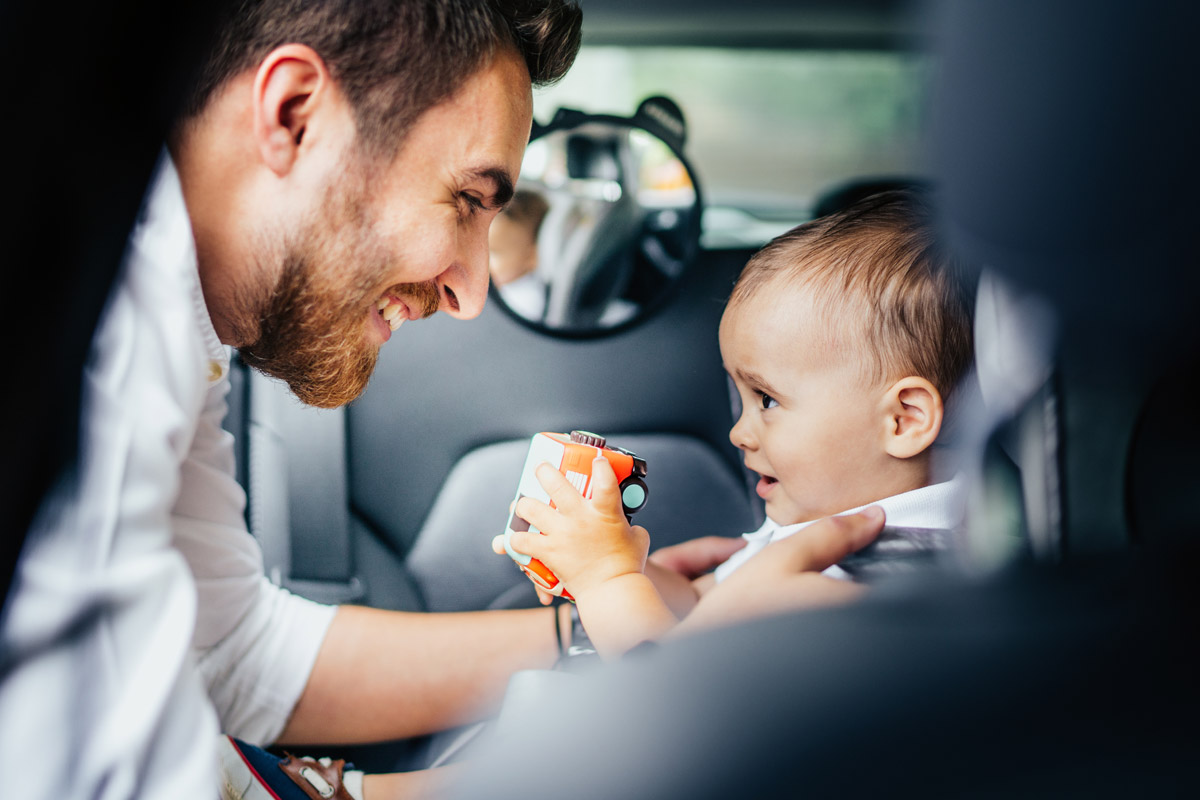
[(689, 133), (337, 498), (663, 175), (393, 500), (1057, 659)]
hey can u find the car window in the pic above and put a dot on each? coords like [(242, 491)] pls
[(768, 130)]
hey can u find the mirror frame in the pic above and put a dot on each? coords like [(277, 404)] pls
[(660, 117)]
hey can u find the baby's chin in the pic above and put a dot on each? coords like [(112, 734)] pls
[(783, 512)]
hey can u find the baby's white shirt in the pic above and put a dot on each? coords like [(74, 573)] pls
[(939, 505)]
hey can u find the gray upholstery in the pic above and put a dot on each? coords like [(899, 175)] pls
[(296, 482), (452, 562)]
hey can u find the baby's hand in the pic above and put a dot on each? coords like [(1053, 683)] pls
[(544, 597), (584, 542)]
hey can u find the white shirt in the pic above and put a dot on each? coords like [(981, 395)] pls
[(140, 621), (937, 506)]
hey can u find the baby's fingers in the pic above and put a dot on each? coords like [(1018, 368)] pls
[(562, 493), (537, 513), (606, 494), (527, 543)]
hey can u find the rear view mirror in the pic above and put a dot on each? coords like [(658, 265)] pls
[(605, 221)]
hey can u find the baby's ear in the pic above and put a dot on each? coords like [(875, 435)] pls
[(914, 417)]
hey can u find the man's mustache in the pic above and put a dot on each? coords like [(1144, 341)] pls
[(425, 298)]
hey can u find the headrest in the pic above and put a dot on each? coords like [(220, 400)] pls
[(1063, 143), (592, 157)]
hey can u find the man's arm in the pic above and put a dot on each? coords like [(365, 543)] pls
[(389, 674), (786, 575)]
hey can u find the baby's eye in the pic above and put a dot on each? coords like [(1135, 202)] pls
[(767, 401)]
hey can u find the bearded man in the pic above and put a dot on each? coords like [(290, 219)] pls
[(334, 176)]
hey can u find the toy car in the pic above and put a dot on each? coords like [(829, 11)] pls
[(572, 455)]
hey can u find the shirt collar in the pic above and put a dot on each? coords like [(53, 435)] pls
[(167, 211), (939, 505)]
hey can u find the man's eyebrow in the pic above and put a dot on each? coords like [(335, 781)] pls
[(502, 183)]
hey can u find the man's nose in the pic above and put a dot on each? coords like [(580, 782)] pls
[(464, 286)]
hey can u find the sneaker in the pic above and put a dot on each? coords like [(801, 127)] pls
[(251, 773)]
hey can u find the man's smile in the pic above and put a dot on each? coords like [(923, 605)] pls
[(404, 302), (393, 310)]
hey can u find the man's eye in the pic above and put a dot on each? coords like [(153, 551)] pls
[(473, 204), (767, 401)]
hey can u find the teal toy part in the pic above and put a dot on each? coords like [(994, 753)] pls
[(520, 558), (633, 496)]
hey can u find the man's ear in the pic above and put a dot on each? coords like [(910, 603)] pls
[(288, 86), (914, 412)]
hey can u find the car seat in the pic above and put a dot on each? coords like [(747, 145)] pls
[(1065, 668)]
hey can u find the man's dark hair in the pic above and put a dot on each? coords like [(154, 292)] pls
[(394, 59)]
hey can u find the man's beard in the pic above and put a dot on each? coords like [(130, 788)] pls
[(312, 326)]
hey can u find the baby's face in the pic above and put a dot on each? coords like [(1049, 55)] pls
[(811, 425), (512, 250)]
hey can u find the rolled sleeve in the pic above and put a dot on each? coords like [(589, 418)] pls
[(257, 671)]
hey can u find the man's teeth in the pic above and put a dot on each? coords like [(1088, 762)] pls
[(391, 313)]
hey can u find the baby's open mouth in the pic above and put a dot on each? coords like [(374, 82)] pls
[(765, 484)]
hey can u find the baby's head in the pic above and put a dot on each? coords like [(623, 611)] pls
[(845, 338), (512, 239)]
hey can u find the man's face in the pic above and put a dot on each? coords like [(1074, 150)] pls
[(394, 241), (810, 423)]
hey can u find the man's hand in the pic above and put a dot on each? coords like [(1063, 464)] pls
[(786, 575), (695, 557)]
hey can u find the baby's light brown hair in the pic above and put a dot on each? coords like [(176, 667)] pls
[(880, 280), (527, 208)]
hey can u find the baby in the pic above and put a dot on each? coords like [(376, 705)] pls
[(845, 338), (513, 253)]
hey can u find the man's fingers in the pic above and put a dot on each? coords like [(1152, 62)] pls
[(825, 543), (697, 556), (498, 545)]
